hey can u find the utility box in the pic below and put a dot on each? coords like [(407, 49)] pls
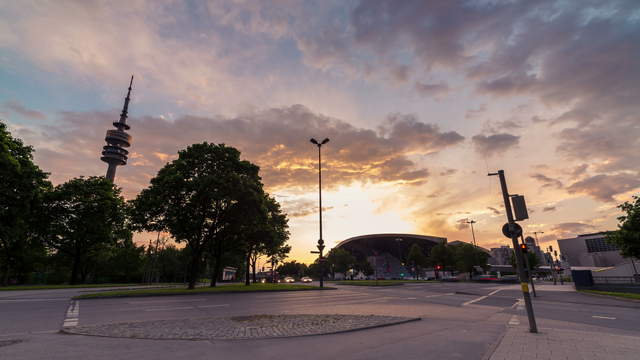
[(519, 207)]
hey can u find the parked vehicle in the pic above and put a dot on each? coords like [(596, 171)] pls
[(306, 279)]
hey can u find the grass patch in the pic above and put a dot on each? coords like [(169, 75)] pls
[(613, 293), (380, 282), (62, 286), (234, 288)]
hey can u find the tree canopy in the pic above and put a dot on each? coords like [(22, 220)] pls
[(202, 199), (627, 237), (21, 189), (84, 216)]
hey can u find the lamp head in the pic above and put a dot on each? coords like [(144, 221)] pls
[(326, 140), (314, 141)]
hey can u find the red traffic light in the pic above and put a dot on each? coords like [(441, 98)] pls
[(438, 267)]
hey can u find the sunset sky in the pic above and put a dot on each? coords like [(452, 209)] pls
[(421, 99)]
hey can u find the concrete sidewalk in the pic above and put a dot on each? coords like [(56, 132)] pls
[(567, 344)]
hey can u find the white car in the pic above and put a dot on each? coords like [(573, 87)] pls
[(306, 279), (288, 279)]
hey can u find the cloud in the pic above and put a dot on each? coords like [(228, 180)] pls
[(277, 139), (604, 187), (548, 209), (20, 109), (494, 211), (301, 207), (433, 90), (494, 144), (547, 181), (448, 172), (572, 228)]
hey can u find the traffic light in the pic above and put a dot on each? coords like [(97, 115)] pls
[(438, 267), (524, 248)]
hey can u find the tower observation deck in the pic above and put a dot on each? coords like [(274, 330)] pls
[(114, 153)]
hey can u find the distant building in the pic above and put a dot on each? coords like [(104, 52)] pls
[(500, 256), (387, 253), (543, 258), (590, 250)]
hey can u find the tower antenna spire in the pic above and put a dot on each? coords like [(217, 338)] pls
[(114, 153)]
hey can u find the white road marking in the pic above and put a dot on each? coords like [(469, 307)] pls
[(480, 298), (474, 300), (410, 298), (603, 317), (73, 315), (514, 321)]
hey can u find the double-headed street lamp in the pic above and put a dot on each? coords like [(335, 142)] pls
[(320, 241)]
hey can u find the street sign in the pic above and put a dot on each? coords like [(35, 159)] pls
[(511, 230), (519, 207)]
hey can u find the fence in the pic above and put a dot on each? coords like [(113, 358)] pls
[(615, 280)]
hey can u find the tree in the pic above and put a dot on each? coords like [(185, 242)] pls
[(442, 255), (416, 259), (467, 257), (22, 185), (84, 216), (292, 268), (339, 260), (627, 237), (266, 231), (364, 267), (198, 199)]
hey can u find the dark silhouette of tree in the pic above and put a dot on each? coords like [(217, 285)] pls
[(467, 257), (85, 215), (627, 237), (22, 185), (339, 260), (442, 255), (416, 259), (198, 199)]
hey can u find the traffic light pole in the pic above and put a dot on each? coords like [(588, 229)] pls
[(526, 261), (519, 256)]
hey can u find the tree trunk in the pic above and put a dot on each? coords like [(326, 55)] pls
[(216, 270), (74, 270), (253, 269), (247, 280), (194, 269), (5, 274)]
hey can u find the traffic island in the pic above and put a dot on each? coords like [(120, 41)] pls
[(239, 327)]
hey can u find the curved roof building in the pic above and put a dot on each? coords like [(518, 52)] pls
[(387, 252), (397, 245)]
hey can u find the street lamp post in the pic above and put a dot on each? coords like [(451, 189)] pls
[(320, 245), (473, 235)]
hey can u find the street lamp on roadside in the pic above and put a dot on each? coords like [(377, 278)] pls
[(320, 241)]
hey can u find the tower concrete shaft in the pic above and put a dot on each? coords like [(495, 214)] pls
[(114, 153)]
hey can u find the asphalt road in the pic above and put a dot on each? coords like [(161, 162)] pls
[(460, 321)]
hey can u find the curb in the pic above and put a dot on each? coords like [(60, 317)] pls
[(610, 297), (195, 293)]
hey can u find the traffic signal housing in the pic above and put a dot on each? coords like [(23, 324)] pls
[(524, 248)]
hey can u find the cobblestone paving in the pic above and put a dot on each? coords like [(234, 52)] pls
[(239, 327), (561, 344)]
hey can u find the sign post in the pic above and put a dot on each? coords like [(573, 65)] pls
[(512, 230)]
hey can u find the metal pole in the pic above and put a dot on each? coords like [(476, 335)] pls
[(526, 260), (320, 241), (519, 258)]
